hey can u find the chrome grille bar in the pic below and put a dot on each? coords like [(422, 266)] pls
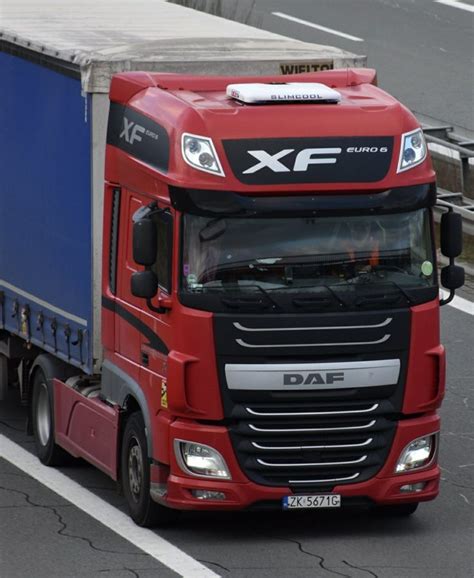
[(241, 327), (312, 413), (367, 442), (308, 465), (327, 481), (243, 343), (312, 429)]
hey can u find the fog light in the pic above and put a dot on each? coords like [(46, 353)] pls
[(408, 488), (207, 495), (200, 460), (418, 454)]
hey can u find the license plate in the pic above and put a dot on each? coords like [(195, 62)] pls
[(318, 501)]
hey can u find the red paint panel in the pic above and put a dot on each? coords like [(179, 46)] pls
[(108, 318), (86, 428), (425, 383), (240, 493), (199, 105)]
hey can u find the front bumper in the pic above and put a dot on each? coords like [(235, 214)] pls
[(240, 493)]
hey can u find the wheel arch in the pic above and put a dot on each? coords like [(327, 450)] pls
[(120, 388), (52, 368)]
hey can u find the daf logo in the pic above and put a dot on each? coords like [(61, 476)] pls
[(326, 378)]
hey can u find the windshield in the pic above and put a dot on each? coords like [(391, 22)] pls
[(332, 254)]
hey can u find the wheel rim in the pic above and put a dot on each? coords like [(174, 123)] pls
[(43, 415), (135, 468)]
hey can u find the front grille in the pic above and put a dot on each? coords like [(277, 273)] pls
[(312, 445)]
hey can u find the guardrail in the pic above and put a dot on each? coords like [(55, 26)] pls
[(459, 204), (460, 150), (457, 147)]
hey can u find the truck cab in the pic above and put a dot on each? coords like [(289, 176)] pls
[(270, 299)]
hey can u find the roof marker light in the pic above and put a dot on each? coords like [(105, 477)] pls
[(255, 93)]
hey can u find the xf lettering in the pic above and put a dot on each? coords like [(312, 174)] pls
[(131, 131)]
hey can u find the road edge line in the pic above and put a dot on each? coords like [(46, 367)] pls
[(317, 26), (456, 4), (112, 518), (460, 303)]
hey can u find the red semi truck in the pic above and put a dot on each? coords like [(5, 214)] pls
[(270, 303)]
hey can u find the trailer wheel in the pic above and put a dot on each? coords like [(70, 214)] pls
[(49, 453), (135, 477), (397, 510)]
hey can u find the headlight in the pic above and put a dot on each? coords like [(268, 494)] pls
[(418, 454), (199, 152), (200, 460), (413, 150)]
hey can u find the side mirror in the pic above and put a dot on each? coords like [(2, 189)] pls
[(452, 277), (144, 284), (144, 242), (451, 235)]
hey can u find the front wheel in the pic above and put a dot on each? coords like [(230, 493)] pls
[(49, 453), (135, 476)]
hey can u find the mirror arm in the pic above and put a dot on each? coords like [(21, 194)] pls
[(448, 299), (452, 292), (160, 310), (147, 211)]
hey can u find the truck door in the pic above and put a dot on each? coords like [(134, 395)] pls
[(128, 307), (155, 346)]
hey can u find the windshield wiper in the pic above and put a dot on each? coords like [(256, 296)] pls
[(408, 297), (377, 298), (243, 301), (318, 301)]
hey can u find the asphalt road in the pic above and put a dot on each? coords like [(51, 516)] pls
[(43, 536), (423, 50)]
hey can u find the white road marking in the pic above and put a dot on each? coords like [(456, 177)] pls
[(317, 26), (465, 499), (460, 303), (146, 540), (456, 4)]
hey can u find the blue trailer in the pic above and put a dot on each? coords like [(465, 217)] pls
[(56, 68), (46, 284)]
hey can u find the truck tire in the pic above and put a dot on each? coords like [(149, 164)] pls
[(49, 453), (135, 477), (397, 510)]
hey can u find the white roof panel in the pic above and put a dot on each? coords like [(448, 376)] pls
[(102, 37)]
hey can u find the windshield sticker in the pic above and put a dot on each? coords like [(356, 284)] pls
[(268, 261), (427, 268)]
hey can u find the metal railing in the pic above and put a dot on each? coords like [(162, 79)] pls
[(446, 137)]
